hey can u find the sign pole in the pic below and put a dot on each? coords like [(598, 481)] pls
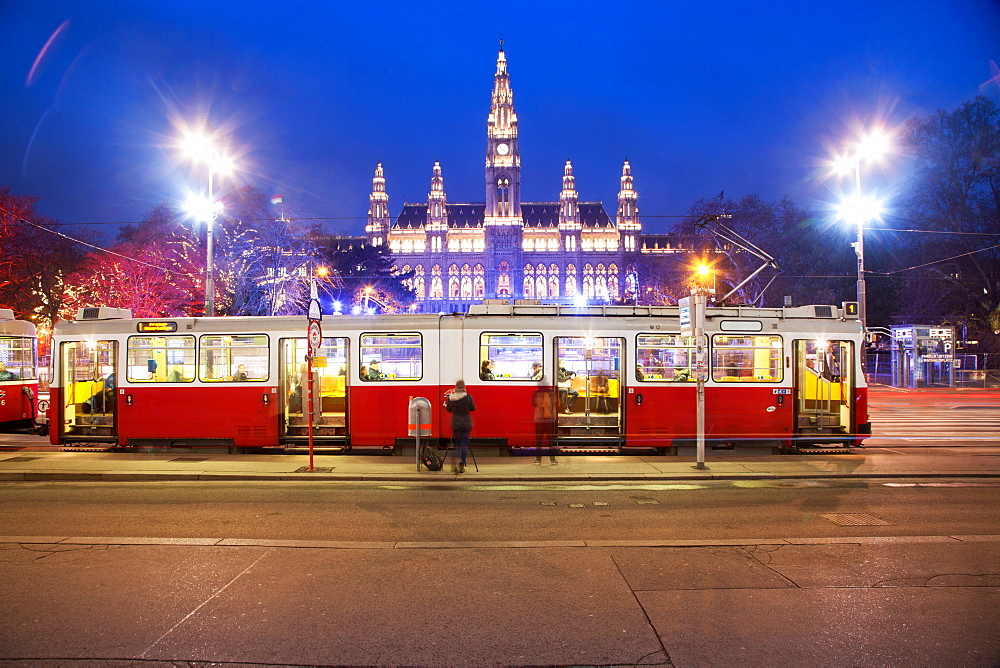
[(701, 369), (309, 401), (692, 321), (314, 338)]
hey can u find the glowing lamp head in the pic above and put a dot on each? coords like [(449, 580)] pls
[(873, 146), (196, 146), (203, 209), (857, 209)]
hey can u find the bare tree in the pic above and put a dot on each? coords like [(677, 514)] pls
[(955, 189)]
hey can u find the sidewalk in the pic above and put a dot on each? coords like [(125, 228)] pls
[(754, 465)]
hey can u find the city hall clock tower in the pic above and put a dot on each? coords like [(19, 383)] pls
[(502, 221)]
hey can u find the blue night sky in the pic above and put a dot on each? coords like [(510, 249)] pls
[(700, 96)]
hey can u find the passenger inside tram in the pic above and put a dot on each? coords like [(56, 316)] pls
[(103, 399), (5, 374), (680, 373)]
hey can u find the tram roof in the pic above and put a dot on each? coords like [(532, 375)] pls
[(504, 307), (121, 322)]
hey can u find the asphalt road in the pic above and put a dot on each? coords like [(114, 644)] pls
[(497, 511), (753, 573)]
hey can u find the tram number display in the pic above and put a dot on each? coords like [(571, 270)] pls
[(781, 390), (156, 327)]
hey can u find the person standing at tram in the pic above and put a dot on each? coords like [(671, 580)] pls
[(544, 405), (601, 389), (459, 403)]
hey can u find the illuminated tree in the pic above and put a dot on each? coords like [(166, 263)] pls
[(271, 275), (150, 280), (36, 254)]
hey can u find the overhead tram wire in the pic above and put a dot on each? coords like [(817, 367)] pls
[(928, 264), (95, 247)]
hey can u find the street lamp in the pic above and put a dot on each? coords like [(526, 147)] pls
[(858, 209), (201, 148)]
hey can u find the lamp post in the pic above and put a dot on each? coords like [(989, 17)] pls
[(200, 147), (859, 209)]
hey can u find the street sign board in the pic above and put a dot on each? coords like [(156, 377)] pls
[(685, 313)]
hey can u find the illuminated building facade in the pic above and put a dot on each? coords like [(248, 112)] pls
[(503, 248)]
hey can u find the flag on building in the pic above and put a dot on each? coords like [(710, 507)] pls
[(276, 200)]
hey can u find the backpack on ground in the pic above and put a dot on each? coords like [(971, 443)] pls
[(430, 458)]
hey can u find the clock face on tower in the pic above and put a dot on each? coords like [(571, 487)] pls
[(503, 149)]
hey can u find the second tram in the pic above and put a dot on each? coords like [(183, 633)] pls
[(18, 380)]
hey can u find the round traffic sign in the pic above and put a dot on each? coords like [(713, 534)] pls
[(315, 335)]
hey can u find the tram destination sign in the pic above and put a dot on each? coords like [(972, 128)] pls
[(156, 327)]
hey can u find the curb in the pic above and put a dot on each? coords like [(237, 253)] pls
[(503, 544), (31, 476)]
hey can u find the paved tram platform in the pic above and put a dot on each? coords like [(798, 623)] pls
[(32, 465)]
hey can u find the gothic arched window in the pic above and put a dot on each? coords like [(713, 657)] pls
[(503, 280), (437, 287), (529, 282), (478, 282), (570, 280)]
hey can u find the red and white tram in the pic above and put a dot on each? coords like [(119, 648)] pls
[(18, 382), (620, 378)]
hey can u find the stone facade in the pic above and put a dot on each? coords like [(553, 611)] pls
[(503, 248)]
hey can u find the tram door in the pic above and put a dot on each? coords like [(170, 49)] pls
[(589, 388), (824, 387), (329, 390), (89, 385)]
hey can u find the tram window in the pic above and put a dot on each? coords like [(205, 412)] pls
[(664, 357), (18, 356), (746, 358), (511, 356), (161, 359), (391, 357), (242, 357)]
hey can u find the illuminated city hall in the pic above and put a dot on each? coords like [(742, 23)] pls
[(504, 248)]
